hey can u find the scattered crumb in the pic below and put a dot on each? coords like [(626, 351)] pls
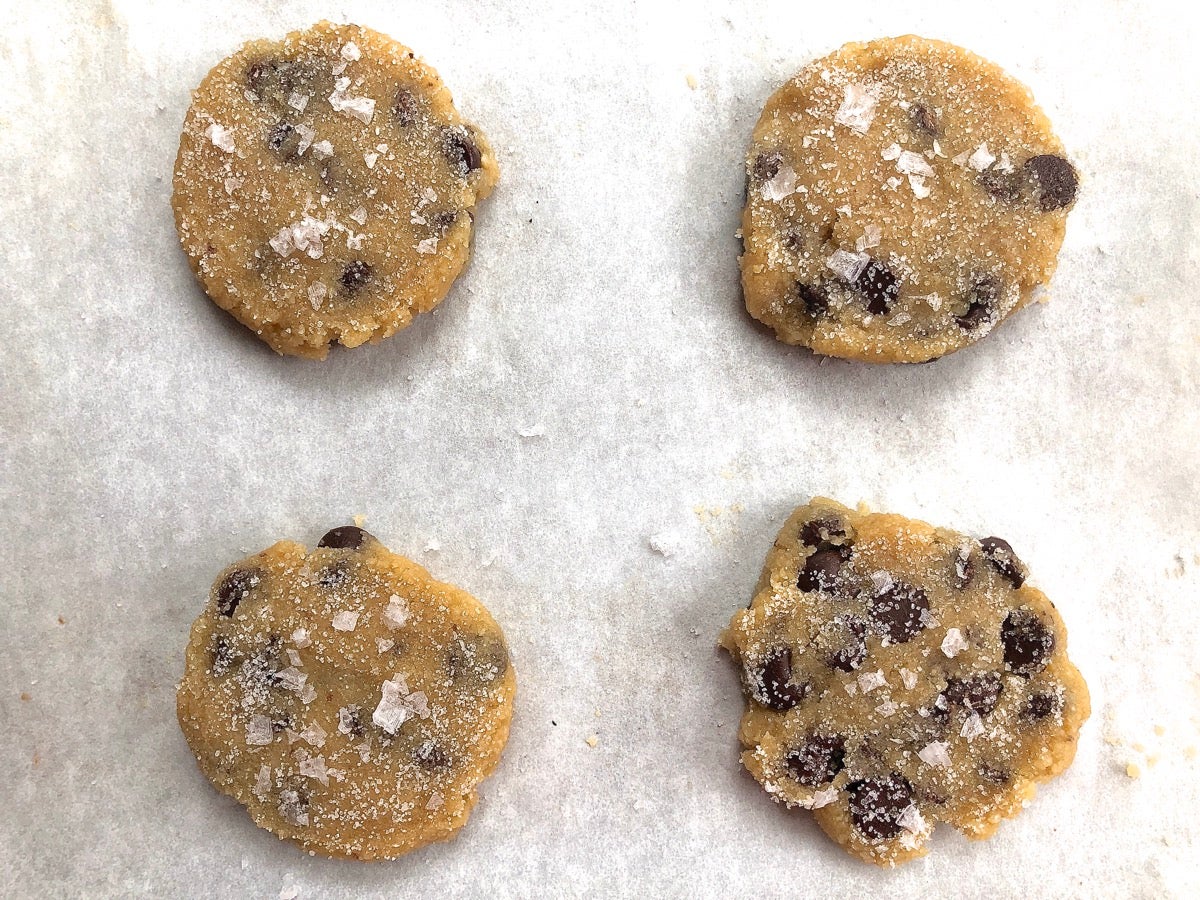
[(532, 431), (62, 621), (691, 81), (25, 697), (591, 740), (1133, 770), (359, 520)]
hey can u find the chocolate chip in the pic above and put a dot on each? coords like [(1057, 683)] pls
[(1043, 705), (821, 530), (877, 283), (356, 275), (480, 657), (344, 537), (876, 805), (350, 721), (285, 141), (766, 166), (281, 723), (1027, 642), (293, 806), (924, 119), (431, 756), (816, 304), (822, 566), (274, 79), (1006, 186), (405, 107), (964, 567), (994, 774), (334, 575), (978, 693), (776, 689), (439, 222), (818, 760), (223, 656), (854, 654), (261, 668), (234, 588), (461, 150), (998, 552), (1054, 181), (981, 303), (898, 612)]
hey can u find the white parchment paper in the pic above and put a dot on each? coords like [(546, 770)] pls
[(148, 440)]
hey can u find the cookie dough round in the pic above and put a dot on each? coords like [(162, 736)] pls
[(903, 198), (350, 702), (898, 675), (325, 187)]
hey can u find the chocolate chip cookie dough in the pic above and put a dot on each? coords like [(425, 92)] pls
[(350, 702), (898, 675), (903, 198), (325, 187)]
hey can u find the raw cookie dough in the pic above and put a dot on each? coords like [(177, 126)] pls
[(350, 702), (903, 198), (898, 675), (325, 187)]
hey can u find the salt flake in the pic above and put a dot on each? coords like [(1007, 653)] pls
[(847, 265), (300, 638), (345, 620), (291, 679), (935, 754), (981, 158), (361, 108), (954, 643), (316, 294), (360, 215), (259, 732), (392, 711), (429, 245), (871, 236), (909, 678), (857, 111), (314, 767), (314, 734), (909, 163), (869, 681), (972, 727), (297, 101), (782, 184), (350, 52), (322, 149), (396, 613), (823, 798), (221, 137)]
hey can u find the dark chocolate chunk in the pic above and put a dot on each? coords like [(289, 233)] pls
[(818, 759), (344, 537), (405, 107), (461, 150), (441, 221), (234, 588), (285, 141), (766, 166), (1043, 705), (924, 119), (1004, 560), (274, 79), (854, 653), (880, 287), (350, 720), (776, 690), (981, 303), (964, 567), (1054, 181), (480, 657), (978, 693), (876, 805), (356, 275), (821, 530), (334, 575), (816, 304), (431, 756), (1027, 642), (1006, 186), (898, 611), (223, 656), (822, 566), (994, 774)]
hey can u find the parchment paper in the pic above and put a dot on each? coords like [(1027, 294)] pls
[(149, 440)]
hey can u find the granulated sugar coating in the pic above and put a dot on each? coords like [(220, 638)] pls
[(324, 187), (903, 198), (350, 702), (899, 675)]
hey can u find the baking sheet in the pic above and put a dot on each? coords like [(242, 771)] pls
[(592, 437)]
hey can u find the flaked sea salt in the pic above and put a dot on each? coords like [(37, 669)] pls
[(350, 51), (936, 754), (857, 111), (221, 137), (909, 678), (345, 620), (429, 245), (871, 236), (869, 681), (259, 732), (297, 101), (954, 643), (972, 727), (396, 613), (848, 266), (981, 158), (291, 679), (360, 215), (393, 710), (314, 734), (316, 294), (782, 184), (361, 108), (314, 767), (322, 149)]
